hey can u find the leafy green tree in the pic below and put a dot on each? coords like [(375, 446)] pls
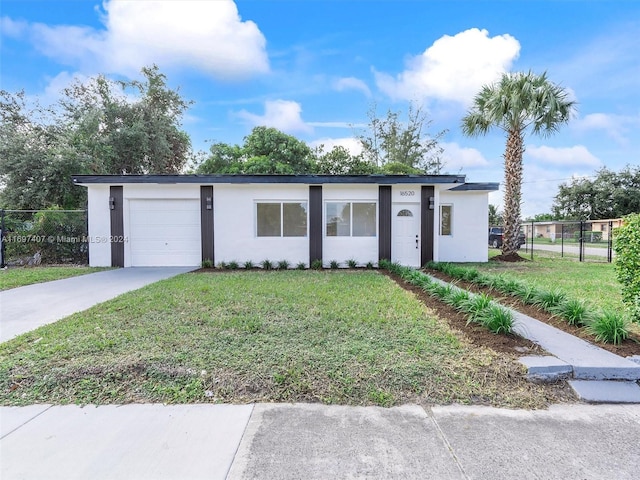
[(408, 142), (36, 161), (264, 151), (339, 161), (129, 127), (627, 262), (495, 216), (99, 127), (608, 195), (223, 158), (518, 102)]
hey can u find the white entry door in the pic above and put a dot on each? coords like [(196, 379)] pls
[(405, 246)]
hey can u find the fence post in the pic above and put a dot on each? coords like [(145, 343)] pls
[(532, 234), (610, 243), (581, 245), (2, 234), (562, 241)]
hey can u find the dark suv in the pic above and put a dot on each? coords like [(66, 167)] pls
[(495, 237)]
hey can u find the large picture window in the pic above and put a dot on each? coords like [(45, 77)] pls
[(350, 219), (281, 219), (446, 212)]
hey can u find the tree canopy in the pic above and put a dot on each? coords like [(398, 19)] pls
[(518, 102), (98, 127), (391, 140), (609, 195)]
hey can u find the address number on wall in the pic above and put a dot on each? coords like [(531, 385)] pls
[(407, 193)]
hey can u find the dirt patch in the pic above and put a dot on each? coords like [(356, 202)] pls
[(514, 257), (629, 347)]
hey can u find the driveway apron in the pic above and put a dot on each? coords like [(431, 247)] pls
[(27, 308)]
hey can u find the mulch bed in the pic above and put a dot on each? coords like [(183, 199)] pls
[(476, 334), (629, 347)]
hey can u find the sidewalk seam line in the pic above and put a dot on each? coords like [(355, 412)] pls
[(244, 431), (28, 421), (448, 445)]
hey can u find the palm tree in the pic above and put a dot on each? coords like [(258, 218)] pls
[(514, 103)]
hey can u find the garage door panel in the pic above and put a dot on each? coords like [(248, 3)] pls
[(164, 232)]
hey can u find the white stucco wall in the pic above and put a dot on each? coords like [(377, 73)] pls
[(341, 249), (234, 220), (99, 225), (468, 241)]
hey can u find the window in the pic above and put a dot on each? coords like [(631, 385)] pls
[(281, 219), (405, 213), (446, 212), (350, 219)]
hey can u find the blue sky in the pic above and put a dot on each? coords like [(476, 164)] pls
[(313, 68)]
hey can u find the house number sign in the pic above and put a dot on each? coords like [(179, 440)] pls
[(407, 193)]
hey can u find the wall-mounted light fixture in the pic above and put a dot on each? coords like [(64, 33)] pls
[(112, 203), (431, 203), (209, 203)]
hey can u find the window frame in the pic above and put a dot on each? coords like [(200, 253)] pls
[(351, 203), (440, 229), (282, 217)]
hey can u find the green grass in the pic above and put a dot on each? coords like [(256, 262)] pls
[(22, 276), (330, 336), (593, 282)]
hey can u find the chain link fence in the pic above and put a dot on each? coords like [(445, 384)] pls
[(33, 237), (590, 241)]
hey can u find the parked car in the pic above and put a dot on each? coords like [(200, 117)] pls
[(495, 237)]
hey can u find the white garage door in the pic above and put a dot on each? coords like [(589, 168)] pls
[(164, 233)]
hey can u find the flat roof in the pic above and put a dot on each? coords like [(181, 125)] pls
[(293, 179)]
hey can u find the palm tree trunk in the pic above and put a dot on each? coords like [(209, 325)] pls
[(512, 192)]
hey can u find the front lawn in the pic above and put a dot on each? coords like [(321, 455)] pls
[(340, 337), (20, 276), (594, 282)]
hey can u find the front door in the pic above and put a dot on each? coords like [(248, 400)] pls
[(405, 246)]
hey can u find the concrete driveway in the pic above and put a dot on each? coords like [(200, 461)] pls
[(27, 308)]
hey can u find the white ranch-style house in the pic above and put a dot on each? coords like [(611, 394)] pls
[(183, 220)]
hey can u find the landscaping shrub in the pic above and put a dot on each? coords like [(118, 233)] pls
[(283, 265), (334, 264), (267, 265), (627, 262), (610, 327), (316, 264), (574, 311), (207, 263), (352, 263), (496, 319), (248, 265), (301, 266), (548, 299), (232, 265)]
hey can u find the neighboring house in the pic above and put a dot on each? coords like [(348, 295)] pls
[(555, 230), (162, 220)]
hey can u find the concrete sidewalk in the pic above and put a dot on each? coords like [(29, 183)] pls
[(312, 441), (27, 308)]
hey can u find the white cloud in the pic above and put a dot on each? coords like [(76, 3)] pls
[(456, 157), (351, 83), (351, 144), (577, 155), (208, 36), (285, 115), (453, 68), (12, 28), (614, 126)]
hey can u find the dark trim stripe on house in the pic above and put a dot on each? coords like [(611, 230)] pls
[(301, 179), (427, 205), (384, 222), (206, 223), (117, 225), (315, 223)]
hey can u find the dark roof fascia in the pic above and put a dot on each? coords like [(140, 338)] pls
[(300, 179), (479, 187)]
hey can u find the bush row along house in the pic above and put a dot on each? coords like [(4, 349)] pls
[(165, 220)]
